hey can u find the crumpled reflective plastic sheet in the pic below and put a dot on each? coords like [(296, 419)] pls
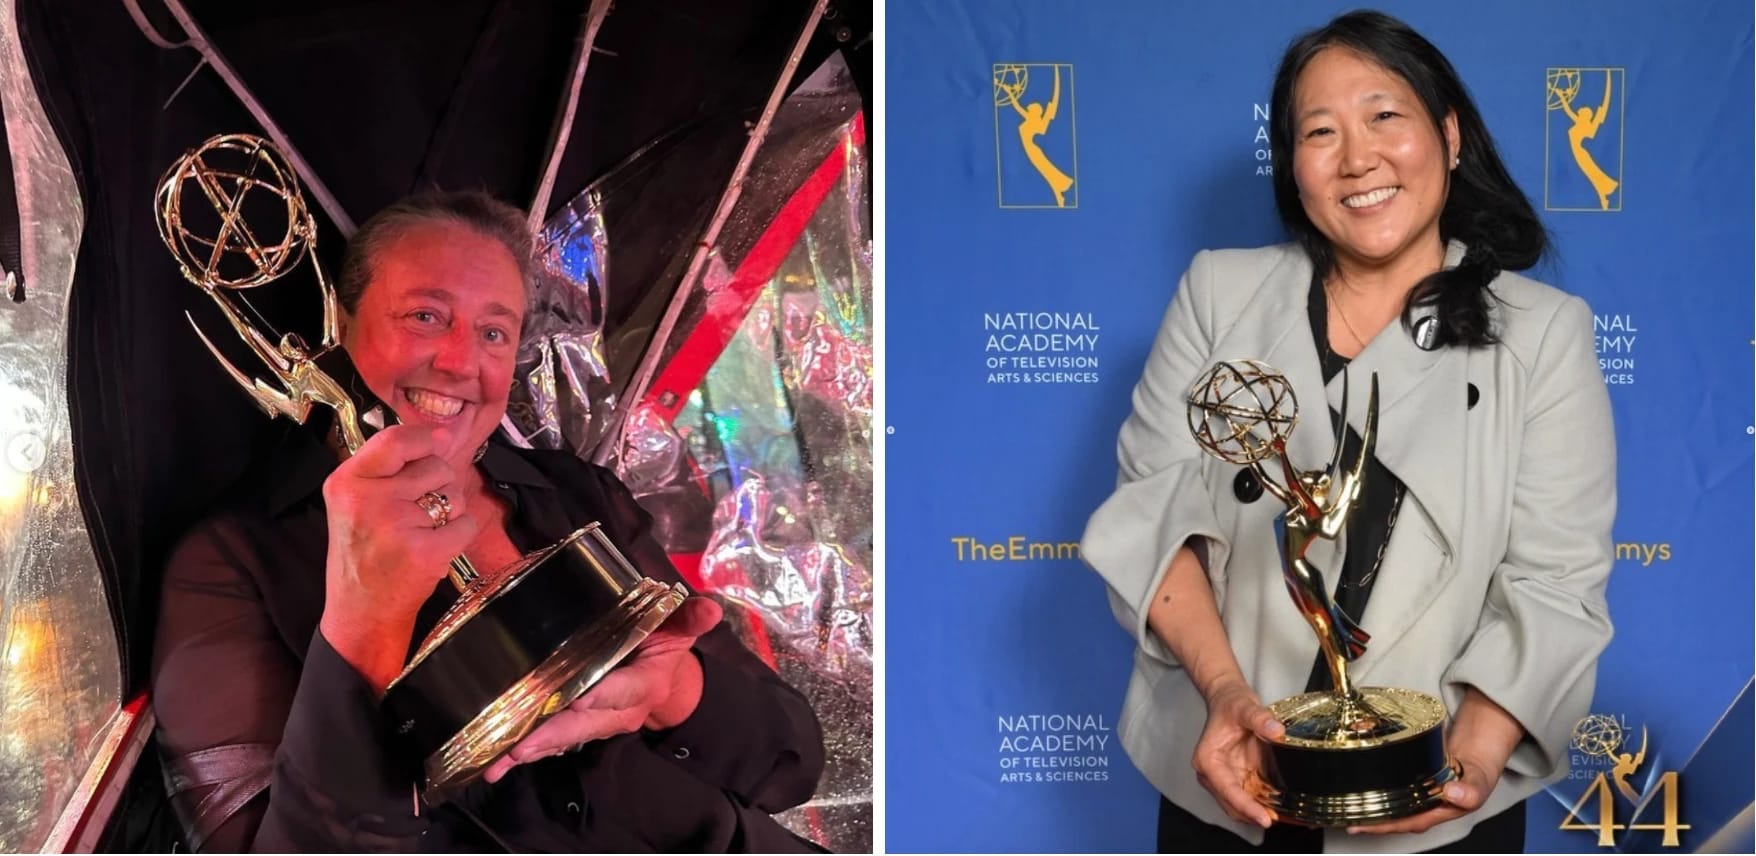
[(766, 470), (788, 409), (60, 675), (780, 432), (565, 377)]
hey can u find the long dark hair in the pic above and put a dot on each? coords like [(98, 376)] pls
[(1484, 209)]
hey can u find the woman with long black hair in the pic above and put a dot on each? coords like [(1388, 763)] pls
[(1479, 551)]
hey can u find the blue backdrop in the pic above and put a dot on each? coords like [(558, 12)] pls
[(1025, 283)]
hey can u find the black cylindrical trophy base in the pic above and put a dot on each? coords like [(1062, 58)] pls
[(510, 654), (1331, 779)]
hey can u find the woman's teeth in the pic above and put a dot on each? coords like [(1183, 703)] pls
[(1367, 199), (433, 404)]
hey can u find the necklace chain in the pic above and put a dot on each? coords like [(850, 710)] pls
[(1342, 314)]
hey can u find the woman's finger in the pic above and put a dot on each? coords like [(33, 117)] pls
[(1245, 806), (621, 689), (501, 766), (1265, 726), (1470, 789), (389, 450), (571, 727), (1462, 796), (421, 475), (694, 617), (412, 514), (1225, 805), (1225, 783)]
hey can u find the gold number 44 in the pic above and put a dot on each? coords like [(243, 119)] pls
[(1606, 812)]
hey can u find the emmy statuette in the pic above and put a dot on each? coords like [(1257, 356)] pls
[(1351, 755)]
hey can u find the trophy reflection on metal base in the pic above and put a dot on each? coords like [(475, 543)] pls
[(518, 644), (1351, 755)]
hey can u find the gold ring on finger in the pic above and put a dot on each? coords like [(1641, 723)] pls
[(437, 506)]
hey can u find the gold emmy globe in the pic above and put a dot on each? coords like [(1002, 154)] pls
[(1351, 755), (1562, 85), (516, 646)]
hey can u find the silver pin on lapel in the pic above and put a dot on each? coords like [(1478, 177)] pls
[(1427, 333)]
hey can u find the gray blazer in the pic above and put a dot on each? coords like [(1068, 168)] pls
[(1495, 573)]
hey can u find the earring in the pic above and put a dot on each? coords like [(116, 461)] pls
[(1456, 162), (479, 453)]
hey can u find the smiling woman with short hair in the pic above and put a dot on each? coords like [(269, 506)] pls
[(288, 611)]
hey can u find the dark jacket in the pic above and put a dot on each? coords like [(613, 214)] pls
[(272, 740)]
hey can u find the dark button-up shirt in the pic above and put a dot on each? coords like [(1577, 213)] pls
[(250, 696)]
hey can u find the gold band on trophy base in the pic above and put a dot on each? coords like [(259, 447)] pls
[(561, 679), (1345, 762), (428, 706), (1351, 755)]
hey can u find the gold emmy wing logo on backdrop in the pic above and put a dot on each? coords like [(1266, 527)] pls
[(1035, 147), (1584, 109), (1606, 737)]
